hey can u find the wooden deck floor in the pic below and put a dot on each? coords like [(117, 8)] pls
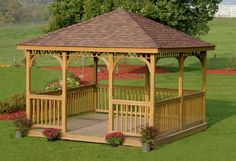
[(88, 127), (89, 124), (93, 127)]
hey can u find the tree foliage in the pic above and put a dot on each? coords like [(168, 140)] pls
[(189, 16), (14, 11), (9, 11)]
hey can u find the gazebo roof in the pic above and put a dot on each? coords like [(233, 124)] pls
[(120, 31)]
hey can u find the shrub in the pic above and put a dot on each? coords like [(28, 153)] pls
[(115, 138), (149, 135), (15, 103), (18, 101), (72, 82), (52, 134), (23, 125), (5, 107)]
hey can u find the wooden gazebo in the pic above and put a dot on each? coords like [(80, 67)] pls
[(111, 38)]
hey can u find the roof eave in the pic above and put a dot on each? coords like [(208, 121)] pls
[(88, 49), (116, 49), (186, 49)]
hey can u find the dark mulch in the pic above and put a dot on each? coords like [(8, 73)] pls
[(227, 71), (12, 116)]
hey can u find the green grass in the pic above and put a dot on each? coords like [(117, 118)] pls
[(217, 143), (13, 80), (10, 35)]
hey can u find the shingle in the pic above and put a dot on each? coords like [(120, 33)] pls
[(118, 28)]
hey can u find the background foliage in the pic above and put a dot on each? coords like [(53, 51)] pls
[(190, 16), (15, 11)]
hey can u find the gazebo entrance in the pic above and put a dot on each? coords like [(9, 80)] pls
[(88, 112)]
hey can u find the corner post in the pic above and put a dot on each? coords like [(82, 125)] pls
[(28, 83), (204, 74), (95, 82), (64, 92), (147, 84), (95, 67), (111, 69), (152, 89), (180, 87)]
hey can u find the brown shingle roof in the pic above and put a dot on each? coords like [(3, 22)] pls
[(118, 29)]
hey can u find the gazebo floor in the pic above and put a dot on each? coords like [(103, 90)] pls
[(89, 124), (88, 127), (93, 127)]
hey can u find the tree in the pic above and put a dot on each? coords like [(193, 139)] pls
[(9, 11), (64, 13), (189, 16)]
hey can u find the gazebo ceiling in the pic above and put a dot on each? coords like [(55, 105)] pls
[(119, 31)]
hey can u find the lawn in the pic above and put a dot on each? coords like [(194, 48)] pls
[(217, 143)]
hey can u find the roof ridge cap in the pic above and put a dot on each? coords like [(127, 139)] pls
[(140, 26)]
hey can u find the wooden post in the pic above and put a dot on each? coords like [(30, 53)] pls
[(95, 81), (111, 69), (152, 89), (147, 84), (204, 74), (180, 86), (64, 92), (95, 69), (28, 83)]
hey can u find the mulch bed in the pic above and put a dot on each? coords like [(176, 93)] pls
[(12, 116), (126, 72), (227, 71)]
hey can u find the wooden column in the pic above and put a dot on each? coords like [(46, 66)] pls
[(95, 70), (204, 74), (152, 89), (28, 83), (180, 86), (64, 92), (147, 84), (95, 81), (111, 69)]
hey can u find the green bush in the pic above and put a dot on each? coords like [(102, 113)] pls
[(12, 104), (5, 107), (72, 82)]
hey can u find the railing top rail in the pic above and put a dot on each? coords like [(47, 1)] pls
[(68, 90), (134, 103), (196, 94), (46, 97), (81, 87), (169, 100), (126, 87), (141, 87)]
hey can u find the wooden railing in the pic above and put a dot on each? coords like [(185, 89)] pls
[(131, 107), (130, 116), (129, 93), (193, 111), (167, 114), (101, 97), (133, 94), (46, 110), (119, 93), (80, 100), (169, 117), (166, 93)]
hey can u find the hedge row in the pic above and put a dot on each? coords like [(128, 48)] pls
[(12, 104)]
